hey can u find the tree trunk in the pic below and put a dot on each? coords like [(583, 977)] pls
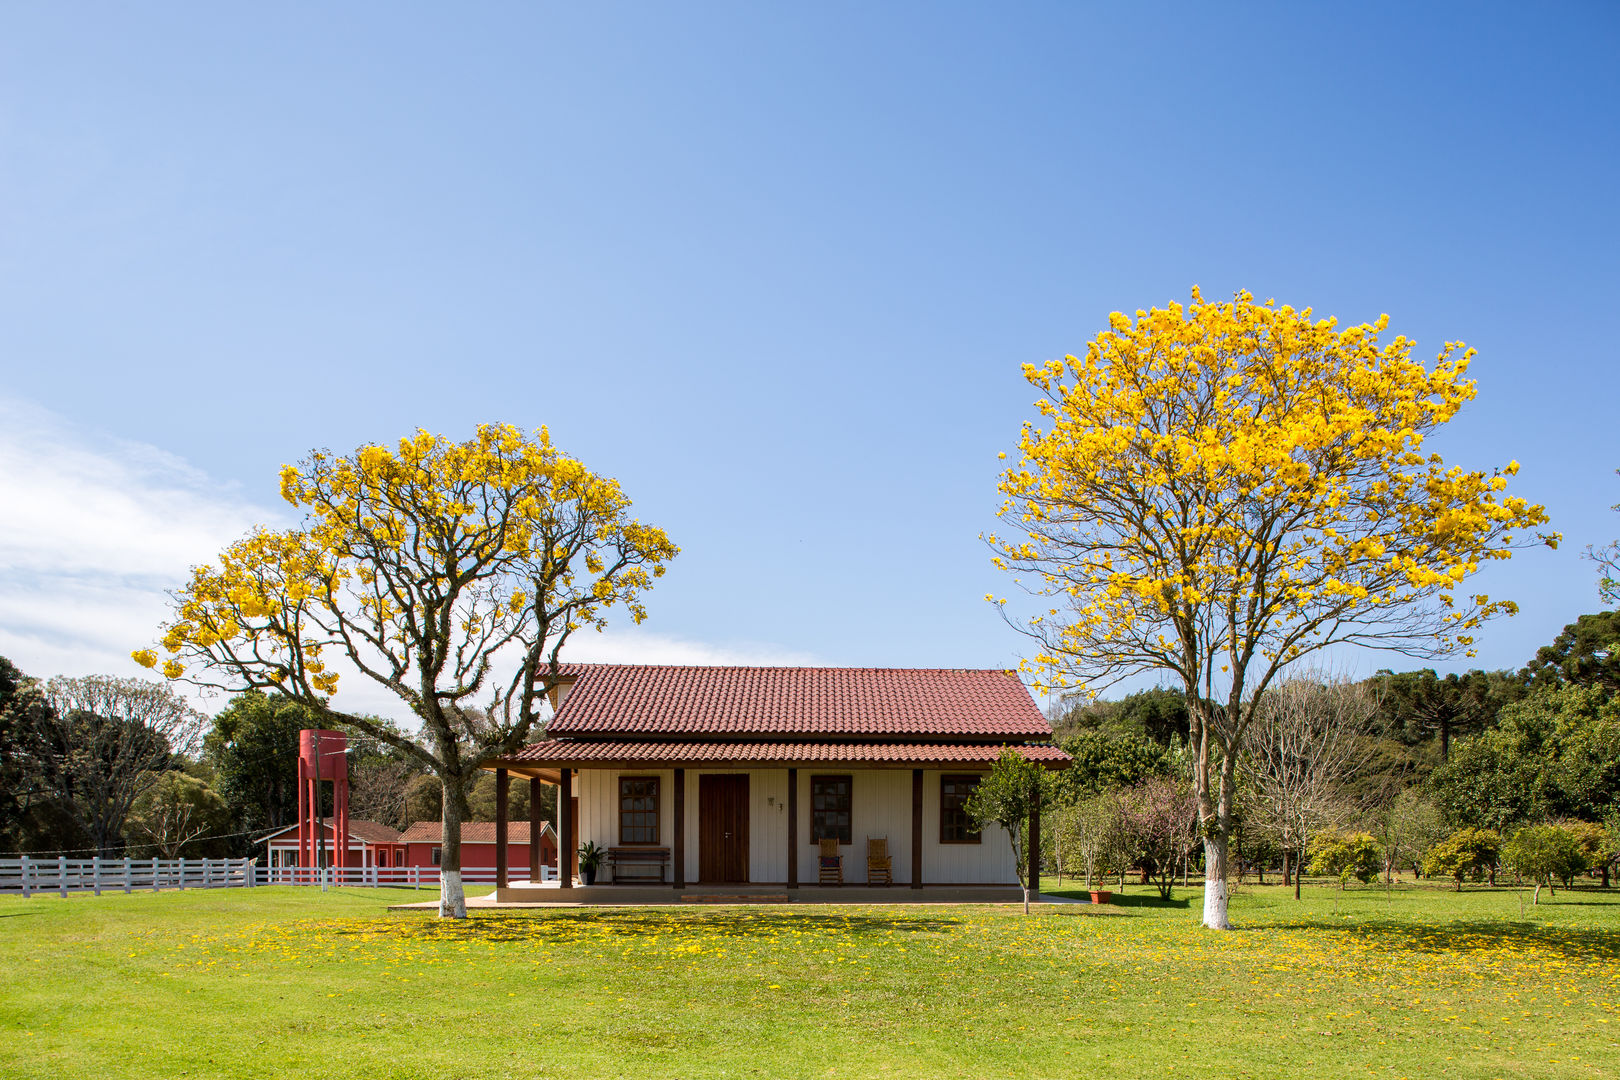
[(1288, 878), (1299, 870), (452, 899), (1537, 900), (1215, 898)]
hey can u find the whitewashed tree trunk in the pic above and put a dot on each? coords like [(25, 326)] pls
[(1215, 897), (452, 898)]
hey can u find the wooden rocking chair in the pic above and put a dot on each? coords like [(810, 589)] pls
[(879, 866), (830, 863)]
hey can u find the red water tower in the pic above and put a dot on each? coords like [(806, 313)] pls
[(322, 756)]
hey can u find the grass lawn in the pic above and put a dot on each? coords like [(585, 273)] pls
[(293, 982)]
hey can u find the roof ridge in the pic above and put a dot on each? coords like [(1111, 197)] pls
[(792, 667)]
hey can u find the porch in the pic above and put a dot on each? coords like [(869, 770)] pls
[(689, 835)]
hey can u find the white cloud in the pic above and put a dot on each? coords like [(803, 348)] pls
[(640, 647), (96, 531)]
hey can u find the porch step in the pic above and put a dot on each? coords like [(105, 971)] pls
[(734, 898)]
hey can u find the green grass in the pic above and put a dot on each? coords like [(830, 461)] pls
[(285, 982)]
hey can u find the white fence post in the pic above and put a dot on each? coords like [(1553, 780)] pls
[(129, 886), (61, 875), (27, 886), (154, 873), (95, 875), (182, 873)]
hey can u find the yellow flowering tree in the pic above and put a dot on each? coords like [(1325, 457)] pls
[(449, 573), (1219, 489)]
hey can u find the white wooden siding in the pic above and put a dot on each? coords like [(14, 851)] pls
[(880, 805)]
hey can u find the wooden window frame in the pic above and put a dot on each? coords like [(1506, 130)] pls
[(845, 836), (657, 810), (945, 822)]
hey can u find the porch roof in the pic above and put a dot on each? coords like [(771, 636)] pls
[(576, 754)]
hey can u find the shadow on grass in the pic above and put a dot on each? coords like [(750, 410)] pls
[(542, 926), (1465, 936), (1137, 900), (1151, 900)]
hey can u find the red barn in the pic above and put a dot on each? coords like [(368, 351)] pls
[(424, 840), (371, 843)]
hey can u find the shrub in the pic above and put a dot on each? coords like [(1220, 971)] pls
[(1592, 840), (1464, 851), (1543, 853), (1345, 855)]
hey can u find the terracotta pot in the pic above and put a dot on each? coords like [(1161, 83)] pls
[(1101, 896)]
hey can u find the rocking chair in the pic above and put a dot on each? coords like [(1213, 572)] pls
[(879, 866), (831, 863)]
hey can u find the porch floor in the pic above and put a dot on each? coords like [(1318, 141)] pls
[(549, 894)]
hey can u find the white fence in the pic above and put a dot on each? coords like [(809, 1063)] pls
[(63, 876)]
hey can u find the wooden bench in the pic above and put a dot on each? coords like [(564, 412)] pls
[(636, 864)]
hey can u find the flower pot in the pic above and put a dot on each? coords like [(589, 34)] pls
[(588, 875), (1101, 896)]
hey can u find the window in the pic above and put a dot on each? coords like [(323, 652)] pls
[(955, 827), (638, 809), (829, 808), (436, 856)]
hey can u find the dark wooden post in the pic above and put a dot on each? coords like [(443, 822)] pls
[(1034, 871), (503, 787), (536, 826), (679, 846), (793, 828), (565, 795), (916, 828)]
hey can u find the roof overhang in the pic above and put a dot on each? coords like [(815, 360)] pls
[(552, 755)]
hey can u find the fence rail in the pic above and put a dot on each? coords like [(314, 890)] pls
[(63, 876)]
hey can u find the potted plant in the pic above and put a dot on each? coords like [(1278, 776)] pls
[(590, 858)]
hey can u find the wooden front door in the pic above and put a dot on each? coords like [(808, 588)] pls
[(722, 829)]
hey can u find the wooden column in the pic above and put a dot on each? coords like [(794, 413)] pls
[(503, 789), (916, 828), (793, 828), (678, 854), (1034, 870), (565, 796), (536, 826)]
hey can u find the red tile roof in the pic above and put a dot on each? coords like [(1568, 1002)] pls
[(472, 832), (609, 700), (571, 753), (370, 832)]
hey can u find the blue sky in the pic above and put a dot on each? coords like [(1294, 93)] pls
[(774, 267)]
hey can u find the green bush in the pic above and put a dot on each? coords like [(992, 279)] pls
[(1464, 851), (1544, 853), (1344, 855)]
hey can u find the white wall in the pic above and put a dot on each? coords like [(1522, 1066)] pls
[(880, 805)]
